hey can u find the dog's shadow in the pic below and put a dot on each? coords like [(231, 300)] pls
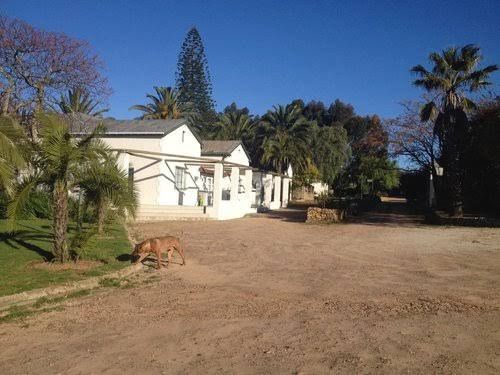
[(152, 262), (124, 258)]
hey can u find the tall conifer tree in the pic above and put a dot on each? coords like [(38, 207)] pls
[(193, 80)]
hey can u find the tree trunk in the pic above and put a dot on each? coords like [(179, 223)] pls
[(453, 151), (60, 221), (40, 98), (6, 101), (101, 216)]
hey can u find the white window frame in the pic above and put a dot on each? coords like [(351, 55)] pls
[(180, 174)]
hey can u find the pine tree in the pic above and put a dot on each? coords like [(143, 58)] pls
[(193, 80)]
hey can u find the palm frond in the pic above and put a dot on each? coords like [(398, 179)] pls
[(429, 112), (17, 205)]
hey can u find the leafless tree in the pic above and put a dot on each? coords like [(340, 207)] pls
[(411, 138), (37, 66)]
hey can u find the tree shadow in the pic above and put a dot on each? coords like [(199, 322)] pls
[(391, 214), (294, 215), (26, 239), (394, 214)]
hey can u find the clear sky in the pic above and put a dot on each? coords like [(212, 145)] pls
[(263, 53)]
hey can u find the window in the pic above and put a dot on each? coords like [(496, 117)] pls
[(180, 178), (183, 133)]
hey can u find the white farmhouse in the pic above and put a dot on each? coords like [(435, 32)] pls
[(180, 176)]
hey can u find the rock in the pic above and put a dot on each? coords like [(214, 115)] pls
[(325, 215)]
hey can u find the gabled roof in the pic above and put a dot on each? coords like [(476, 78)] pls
[(218, 148), (83, 124), (221, 148)]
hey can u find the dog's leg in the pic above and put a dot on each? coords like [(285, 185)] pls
[(169, 253), (158, 258), (180, 250), (141, 258)]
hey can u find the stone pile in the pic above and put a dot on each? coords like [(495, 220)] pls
[(325, 215)]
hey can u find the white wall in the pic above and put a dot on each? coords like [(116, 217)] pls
[(179, 142), (145, 170), (320, 188), (238, 156), (231, 210), (155, 179)]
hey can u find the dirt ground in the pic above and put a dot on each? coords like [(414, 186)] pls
[(270, 294)]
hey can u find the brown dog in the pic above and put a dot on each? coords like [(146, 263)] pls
[(157, 246)]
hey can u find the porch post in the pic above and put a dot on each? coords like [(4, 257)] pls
[(286, 187), (268, 187), (248, 187), (235, 183), (277, 190), (217, 192)]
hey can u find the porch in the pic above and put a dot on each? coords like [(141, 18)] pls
[(217, 189)]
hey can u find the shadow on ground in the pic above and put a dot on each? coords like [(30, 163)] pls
[(295, 215), (27, 238), (392, 212)]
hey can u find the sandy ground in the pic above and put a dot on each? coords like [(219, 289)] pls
[(270, 294)]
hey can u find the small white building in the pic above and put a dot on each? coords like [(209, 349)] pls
[(180, 176)]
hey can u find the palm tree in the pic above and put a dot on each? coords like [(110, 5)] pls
[(57, 160), (11, 158), (286, 135), (106, 186), (79, 101), (234, 125), (454, 74), (165, 105)]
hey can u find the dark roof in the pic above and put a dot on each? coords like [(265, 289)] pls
[(81, 124), (218, 148)]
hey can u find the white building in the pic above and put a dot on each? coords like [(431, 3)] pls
[(180, 176)]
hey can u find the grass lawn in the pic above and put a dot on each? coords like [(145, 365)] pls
[(32, 244)]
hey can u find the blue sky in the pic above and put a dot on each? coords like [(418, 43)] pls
[(263, 53)]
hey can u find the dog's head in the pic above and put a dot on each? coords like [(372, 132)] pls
[(138, 249)]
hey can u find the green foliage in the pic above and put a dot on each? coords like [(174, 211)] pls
[(307, 176), (79, 241), (39, 205), (286, 137), (31, 244), (482, 159), (377, 174), (165, 105), (454, 75), (193, 80), (330, 152), (337, 113), (11, 158), (79, 101), (56, 159), (234, 124), (105, 186)]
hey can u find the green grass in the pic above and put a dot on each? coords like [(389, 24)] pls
[(32, 243)]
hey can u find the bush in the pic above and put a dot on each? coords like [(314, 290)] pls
[(79, 241), (39, 205), (87, 213), (369, 202)]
